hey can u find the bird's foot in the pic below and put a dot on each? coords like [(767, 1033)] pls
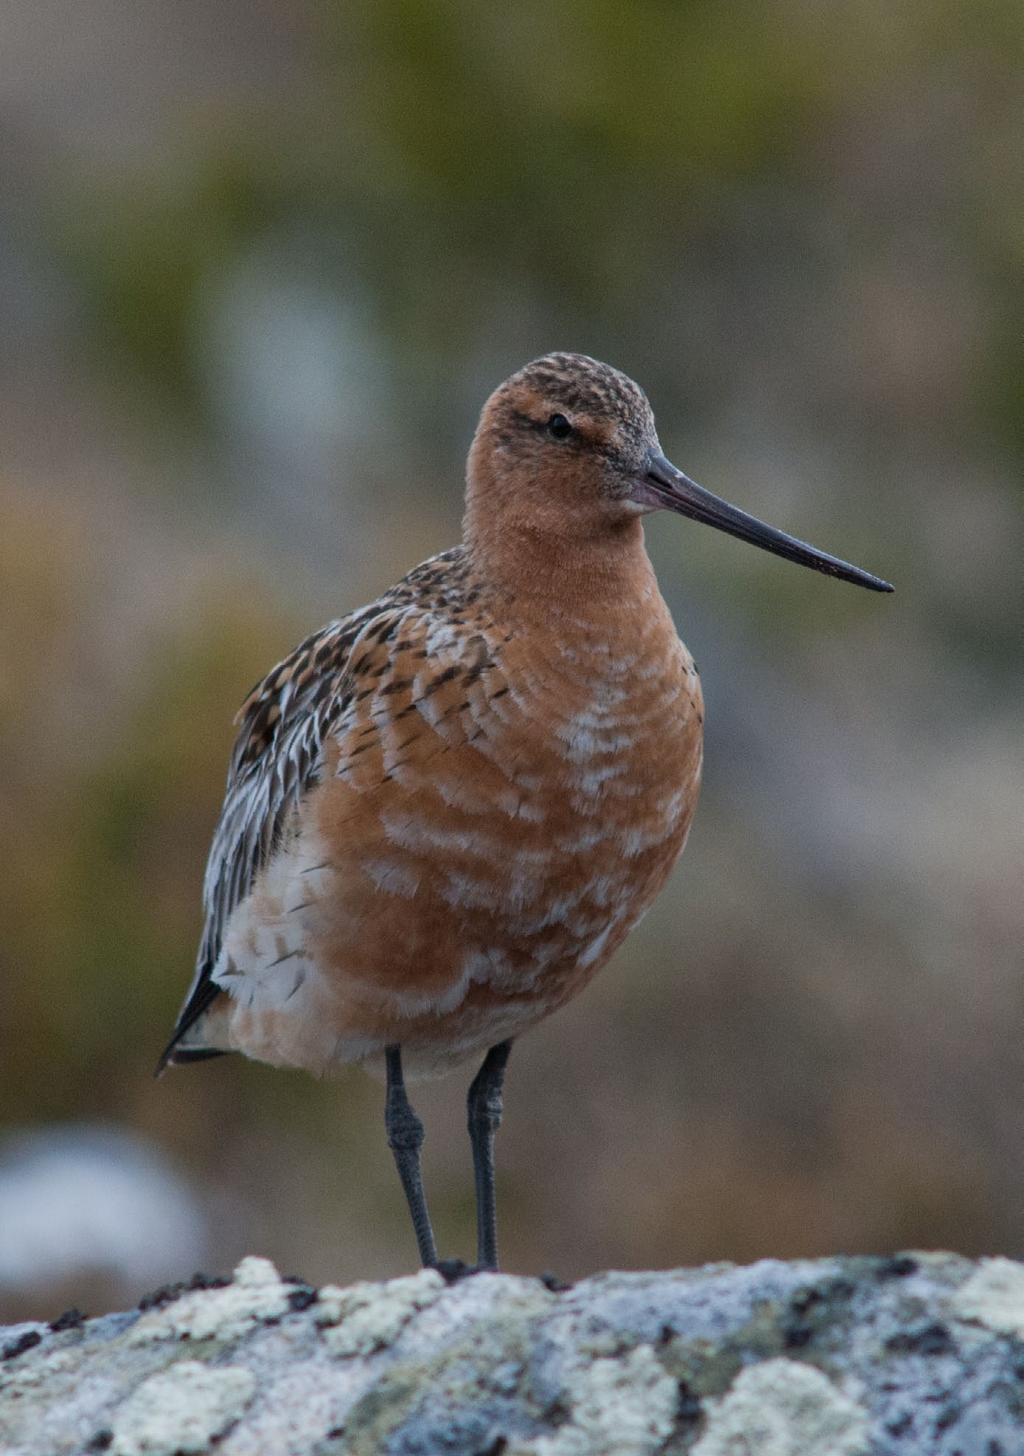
[(454, 1270)]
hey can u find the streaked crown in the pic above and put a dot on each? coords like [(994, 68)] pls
[(583, 386)]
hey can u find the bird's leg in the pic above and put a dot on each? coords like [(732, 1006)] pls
[(405, 1138), (483, 1105)]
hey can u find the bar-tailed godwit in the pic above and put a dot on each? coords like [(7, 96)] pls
[(445, 811)]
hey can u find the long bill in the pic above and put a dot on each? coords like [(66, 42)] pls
[(664, 485)]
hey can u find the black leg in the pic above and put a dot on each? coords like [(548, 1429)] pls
[(484, 1108), (405, 1138)]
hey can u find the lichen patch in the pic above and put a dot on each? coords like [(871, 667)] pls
[(365, 1317), (181, 1410), (783, 1408), (620, 1407), (993, 1296), (18, 1376), (255, 1294)]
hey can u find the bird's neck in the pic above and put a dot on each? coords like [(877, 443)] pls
[(536, 567)]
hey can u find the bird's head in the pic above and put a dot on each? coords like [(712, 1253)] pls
[(567, 450)]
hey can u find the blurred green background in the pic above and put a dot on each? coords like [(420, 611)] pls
[(261, 264)]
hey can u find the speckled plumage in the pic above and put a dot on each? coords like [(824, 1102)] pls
[(437, 828), (445, 811)]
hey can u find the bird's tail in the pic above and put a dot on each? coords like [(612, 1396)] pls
[(183, 1048)]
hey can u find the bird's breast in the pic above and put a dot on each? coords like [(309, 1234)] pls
[(520, 806), (495, 815)]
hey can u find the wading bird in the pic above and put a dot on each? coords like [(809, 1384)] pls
[(445, 811)]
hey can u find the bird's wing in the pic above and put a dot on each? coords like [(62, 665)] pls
[(277, 755)]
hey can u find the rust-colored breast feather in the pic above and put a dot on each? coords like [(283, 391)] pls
[(489, 811)]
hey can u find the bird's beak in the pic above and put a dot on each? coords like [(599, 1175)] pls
[(664, 485)]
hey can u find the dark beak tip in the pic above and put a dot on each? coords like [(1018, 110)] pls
[(874, 583), (869, 582)]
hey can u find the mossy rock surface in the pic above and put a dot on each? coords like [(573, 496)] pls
[(922, 1353)]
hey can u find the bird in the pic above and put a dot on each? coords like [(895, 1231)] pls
[(445, 811)]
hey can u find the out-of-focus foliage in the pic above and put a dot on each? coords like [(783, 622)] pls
[(262, 264)]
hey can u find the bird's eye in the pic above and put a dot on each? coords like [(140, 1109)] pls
[(560, 427)]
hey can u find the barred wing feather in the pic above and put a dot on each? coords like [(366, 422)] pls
[(284, 721)]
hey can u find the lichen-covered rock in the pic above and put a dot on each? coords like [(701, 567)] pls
[(994, 1296), (783, 1408), (181, 1410), (918, 1355), (254, 1296), (368, 1317)]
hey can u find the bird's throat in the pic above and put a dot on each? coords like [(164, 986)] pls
[(544, 570)]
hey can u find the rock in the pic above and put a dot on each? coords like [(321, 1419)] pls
[(922, 1353)]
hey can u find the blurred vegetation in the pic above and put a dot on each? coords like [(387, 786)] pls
[(264, 268)]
